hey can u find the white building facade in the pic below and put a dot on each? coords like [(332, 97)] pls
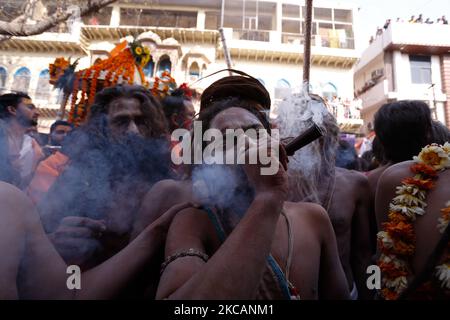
[(264, 38), (407, 61)]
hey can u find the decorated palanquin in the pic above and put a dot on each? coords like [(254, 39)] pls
[(124, 65)]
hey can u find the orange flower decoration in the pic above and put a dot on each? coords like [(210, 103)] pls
[(120, 65), (389, 294), (426, 184), (391, 270), (422, 168), (400, 230)]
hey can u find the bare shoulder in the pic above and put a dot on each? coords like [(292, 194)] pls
[(12, 197), (375, 174), (395, 173), (350, 178), (15, 205), (168, 186), (310, 213)]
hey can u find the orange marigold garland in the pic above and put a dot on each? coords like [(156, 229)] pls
[(121, 64), (397, 240)]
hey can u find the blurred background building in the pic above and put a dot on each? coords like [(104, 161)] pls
[(264, 38), (406, 61)]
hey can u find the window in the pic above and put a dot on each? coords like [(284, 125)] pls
[(212, 20), (420, 69), (282, 89), (194, 71), (101, 17), (329, 91), (43, 85), (344, 33), (158, 18), (149, 69), (328, 35), (290, 26), (341, 15), (322, 14), (249, 15), (21, 80), (291, 11), (164, 65), (3, 77)]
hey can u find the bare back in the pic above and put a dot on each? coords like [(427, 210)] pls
[(425, 226), (350, 215)]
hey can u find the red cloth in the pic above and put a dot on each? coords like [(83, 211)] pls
[(46, 174)]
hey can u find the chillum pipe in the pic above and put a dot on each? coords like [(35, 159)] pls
[(312, 133)]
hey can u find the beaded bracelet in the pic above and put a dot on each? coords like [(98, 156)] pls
[(189, 253)]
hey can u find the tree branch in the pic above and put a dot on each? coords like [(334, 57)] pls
[(18, 28)]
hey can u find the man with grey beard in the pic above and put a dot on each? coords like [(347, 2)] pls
[(345, 194), (245, 241)]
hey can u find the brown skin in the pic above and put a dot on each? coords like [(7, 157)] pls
[(125, 116), (183, 119), (373, 178), (23, 117), (427, 234), (34, 270), (25, 113), (59, 133), (315, 269), (350, 213)]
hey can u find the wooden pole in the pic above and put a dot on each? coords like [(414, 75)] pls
[(226, 53), (307, 44)]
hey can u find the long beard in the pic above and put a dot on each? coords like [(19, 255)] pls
[(26, 122)]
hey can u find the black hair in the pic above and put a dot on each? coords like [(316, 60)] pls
[(403, 128), (10, 100), (60, 123), (440, 133), (346, 156), (174, 103)]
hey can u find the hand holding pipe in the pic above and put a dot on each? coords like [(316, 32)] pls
[(311, 134)]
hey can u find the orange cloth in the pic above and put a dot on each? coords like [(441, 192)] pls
[(46, 174)]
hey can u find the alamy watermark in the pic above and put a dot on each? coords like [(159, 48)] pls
[(232, 146)]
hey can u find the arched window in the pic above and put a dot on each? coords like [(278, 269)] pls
[(282, 89), (149, 69), (164, 65), (329, 91), (43, 85), (194, 71), (22, 79), (3, 77)]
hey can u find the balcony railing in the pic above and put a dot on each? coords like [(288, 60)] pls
[(318, 41), (334, 42), (292, 38), (252, 35)]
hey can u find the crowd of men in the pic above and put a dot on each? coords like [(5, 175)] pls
[(107, 197), (413, 19)]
